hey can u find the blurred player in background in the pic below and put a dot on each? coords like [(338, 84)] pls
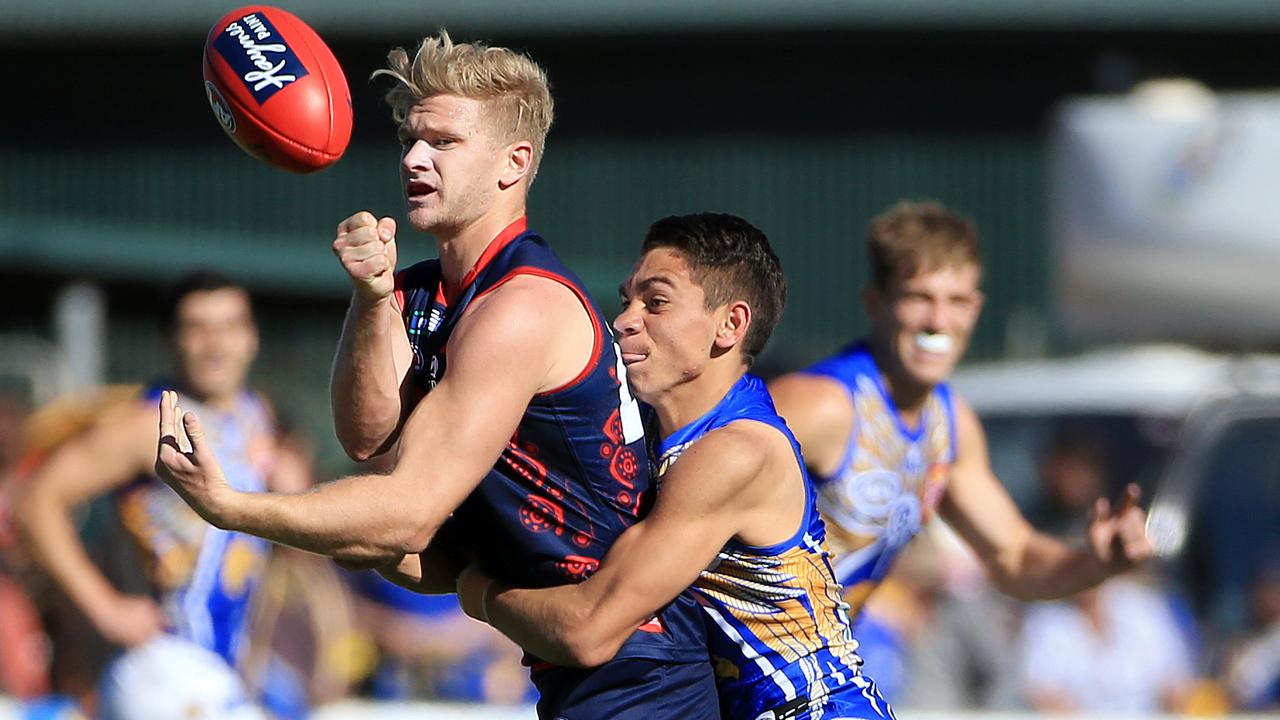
[(889, 442), (202, 579), (735, 516), (523, 435)]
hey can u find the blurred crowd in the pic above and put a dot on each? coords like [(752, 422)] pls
[(937, 637)]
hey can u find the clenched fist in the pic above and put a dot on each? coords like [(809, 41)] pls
[(366, 247)]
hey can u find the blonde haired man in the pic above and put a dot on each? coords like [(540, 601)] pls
[(889, 442), (492, 374)]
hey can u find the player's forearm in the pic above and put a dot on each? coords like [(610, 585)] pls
[(360, 518), (558, 625), (1048, 569), (365, 382), (51, 538)]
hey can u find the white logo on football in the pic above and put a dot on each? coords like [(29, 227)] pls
[(266, 73)]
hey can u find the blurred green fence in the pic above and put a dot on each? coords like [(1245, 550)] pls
[(146, 214)]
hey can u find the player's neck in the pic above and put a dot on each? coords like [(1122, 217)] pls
[(908, 397), (222, 402), (689, 401), (461, 248)]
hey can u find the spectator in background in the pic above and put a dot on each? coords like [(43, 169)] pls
[(201, 578), (1253, 671), (425, 646), (1114, 649), (1073, 475), (428, 648), (307, 649), (23, 672), (962, 654), (71, 654)]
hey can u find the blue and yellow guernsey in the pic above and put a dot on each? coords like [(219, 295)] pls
[(203, 577), (777, 628), (892, 475)]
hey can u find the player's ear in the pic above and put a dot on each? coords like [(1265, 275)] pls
[(734, 324), (519, 163)]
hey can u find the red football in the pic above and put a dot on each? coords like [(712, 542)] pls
[(277, 89)]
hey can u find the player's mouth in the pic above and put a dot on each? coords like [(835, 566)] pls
[(416, 190), (933, 343), (630, 358)]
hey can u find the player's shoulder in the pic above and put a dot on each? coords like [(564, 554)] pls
[(962, 410), (820, 396), (526, 301), (740, 449), (522, 315)]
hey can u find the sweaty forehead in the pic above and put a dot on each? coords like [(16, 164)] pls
[(438, 112)]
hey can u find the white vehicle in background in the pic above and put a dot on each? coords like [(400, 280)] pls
[(1199, 432)]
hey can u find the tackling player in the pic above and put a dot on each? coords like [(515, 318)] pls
[(735, 516), (889, 442), (492, 374)]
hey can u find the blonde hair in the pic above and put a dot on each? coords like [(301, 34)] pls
[(512, 86), (913, 237)]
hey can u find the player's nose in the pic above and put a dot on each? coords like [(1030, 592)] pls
[(628, 321), (416, 156)]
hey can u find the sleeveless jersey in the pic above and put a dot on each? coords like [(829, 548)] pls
[(776, 625), (575, 474), (204, 577), (891, 478)]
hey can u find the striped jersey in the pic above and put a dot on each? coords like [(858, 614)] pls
[(204, 577), (891, 478), (777, 628)]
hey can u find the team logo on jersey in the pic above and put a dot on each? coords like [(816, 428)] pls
[(540, 515), (577, 567)]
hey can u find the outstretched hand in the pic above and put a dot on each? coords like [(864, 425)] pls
[(1118, 538), (194, 474)]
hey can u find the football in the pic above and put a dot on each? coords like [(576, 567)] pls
[(276, 89)]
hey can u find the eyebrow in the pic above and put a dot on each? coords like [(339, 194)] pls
[(647, 283)]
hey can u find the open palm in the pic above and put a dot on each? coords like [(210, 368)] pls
[(194, 474)]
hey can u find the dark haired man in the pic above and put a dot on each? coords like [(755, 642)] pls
[(735, 514), (202, 578), (888, 442)]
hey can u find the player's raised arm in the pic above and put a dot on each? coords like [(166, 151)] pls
[(502, 353), (706, 499), (373, 356), (1022, 561)]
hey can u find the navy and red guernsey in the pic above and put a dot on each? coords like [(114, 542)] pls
[(575, 475)]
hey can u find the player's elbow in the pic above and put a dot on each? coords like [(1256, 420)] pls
[(586, 647), (416, 535), (357, 444)]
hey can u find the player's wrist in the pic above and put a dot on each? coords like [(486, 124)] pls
[(225, 507), (474, 590), (368, 298)]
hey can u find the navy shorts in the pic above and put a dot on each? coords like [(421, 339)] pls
[(628, 689)]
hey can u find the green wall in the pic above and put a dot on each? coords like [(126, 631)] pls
[(136, 218)]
